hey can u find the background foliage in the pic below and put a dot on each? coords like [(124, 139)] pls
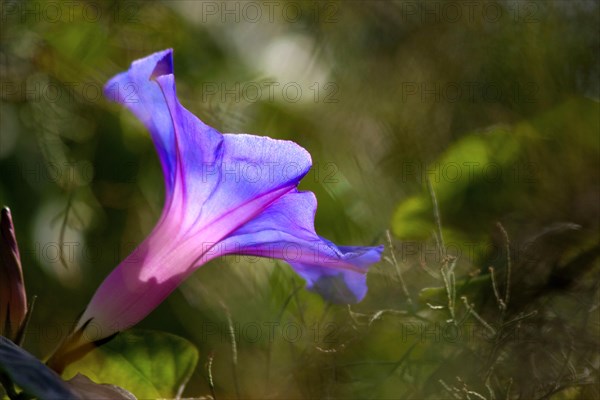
[(491, 105)]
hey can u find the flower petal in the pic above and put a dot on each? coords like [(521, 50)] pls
[(286, 231), (222, 181), (136, 90)]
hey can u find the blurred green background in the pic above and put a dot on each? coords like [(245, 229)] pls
[(490, 105)]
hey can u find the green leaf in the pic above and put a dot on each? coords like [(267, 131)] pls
[(507, 170), (413, 219), (148, 364), (30, 374)]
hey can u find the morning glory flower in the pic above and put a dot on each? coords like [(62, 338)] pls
[(225, 194)]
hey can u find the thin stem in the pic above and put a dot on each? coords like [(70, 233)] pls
[(499, 300), (508, 263), (438, 219), (234, 355), (450, 284), (398, 270), (477, 316), (211, 381)]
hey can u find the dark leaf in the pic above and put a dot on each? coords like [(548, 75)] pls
[(31, 374)]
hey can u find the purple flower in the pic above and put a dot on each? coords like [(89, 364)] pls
[(225, 194)]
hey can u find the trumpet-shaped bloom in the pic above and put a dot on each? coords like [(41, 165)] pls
[(225, 194)]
